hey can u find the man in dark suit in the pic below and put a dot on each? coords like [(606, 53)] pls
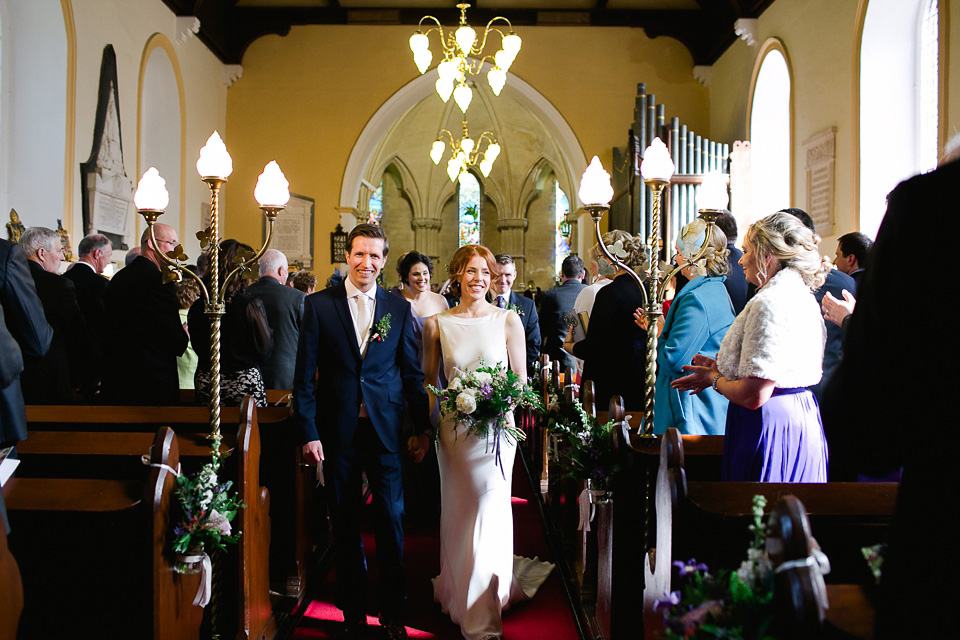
[(284, 306), (23, 331), (735, 282), (91, 288), (556, 304), (143, 327), (505, 298), (69, 363), (885, 400), (358, 341), (853, 254)]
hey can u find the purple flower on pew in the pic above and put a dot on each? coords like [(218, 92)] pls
[(690, 567), (219, 523), (671, 599)]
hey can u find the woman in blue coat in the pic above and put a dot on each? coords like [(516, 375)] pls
[(698, 319)]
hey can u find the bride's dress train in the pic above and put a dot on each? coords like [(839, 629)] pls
[(479, 575)]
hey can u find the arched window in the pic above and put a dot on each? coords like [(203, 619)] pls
[(468, 200), (562, 241), (899, 99), (770, 128)]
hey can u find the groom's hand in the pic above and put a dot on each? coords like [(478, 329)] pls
[(313, 452)]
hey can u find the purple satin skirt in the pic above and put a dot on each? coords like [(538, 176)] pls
[(782, 441)]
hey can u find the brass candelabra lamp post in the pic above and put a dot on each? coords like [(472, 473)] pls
[(151, 199), (657, 170)]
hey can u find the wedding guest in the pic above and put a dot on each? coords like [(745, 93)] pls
[(769, 357), (614, 351), (853, 254), (304, 281), (556, 304), (284, 307), (415, 271), (735, 282), (602, 274), (70, 362), (696, 323), (188, 291), (143, 325), (94, 253), (506, 298), (245, 337)]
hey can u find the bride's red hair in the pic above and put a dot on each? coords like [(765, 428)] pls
[(463, 256)]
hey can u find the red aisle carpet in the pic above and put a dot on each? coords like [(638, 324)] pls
[(547, 616)]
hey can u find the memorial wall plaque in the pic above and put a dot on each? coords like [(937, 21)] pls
[(293, 231), (821, 154)]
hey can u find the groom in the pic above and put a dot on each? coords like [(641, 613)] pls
[(358, 341)]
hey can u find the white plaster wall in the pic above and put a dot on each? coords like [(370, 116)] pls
[(160, 127)]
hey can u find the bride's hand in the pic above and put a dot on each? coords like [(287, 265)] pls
[(418, 446)]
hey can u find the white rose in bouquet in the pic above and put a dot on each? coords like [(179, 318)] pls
[(456, 384), (466, 403), (482, 378)]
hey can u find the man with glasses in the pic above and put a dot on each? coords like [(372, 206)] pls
[(144, 328)]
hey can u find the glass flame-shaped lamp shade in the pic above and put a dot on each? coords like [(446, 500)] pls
[(419, 42), (436, 151), (423, 59), (496, 78), (657, 163), (503, 59), (511, 44), (466, 145), (444, 88), (214, 160), (447, 69), (465, 37), (151, 192), (713, 192), (453, 169), (493, 151), (485, 166), (595, 187), (272, 188), (463, 95)]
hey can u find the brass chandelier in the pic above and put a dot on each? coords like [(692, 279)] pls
[(457, 48), (466, 152)]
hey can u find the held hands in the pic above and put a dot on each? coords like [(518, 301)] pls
[(417, 446), (702, 372), (836, 310)]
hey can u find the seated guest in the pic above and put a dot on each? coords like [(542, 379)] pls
[(69, 364), (245, 337), (284, 307), (735, 283), (556, 304), (304, 281), (696, 323), (614, 351), (91, 287), (769, 357), (143, 326)]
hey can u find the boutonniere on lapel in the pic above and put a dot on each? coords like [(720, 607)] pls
[(380, 330), (516, 309)]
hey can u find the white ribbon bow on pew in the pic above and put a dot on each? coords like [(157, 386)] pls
[(819, 565), (588, 509)]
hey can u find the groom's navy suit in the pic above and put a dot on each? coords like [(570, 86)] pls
[(383, 378)]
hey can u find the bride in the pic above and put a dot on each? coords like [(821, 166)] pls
[(479, 575)]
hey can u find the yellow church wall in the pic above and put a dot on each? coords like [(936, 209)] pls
[(305, 98)]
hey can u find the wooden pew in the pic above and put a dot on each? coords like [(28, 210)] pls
[(11, 589), (708, 520), (253, 615), (76, 567)]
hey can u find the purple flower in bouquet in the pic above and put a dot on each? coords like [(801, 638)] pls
[(689, 567), (486, 391)]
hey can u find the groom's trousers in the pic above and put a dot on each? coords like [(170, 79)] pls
[(343, 479)]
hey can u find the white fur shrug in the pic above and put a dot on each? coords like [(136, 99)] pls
[(778, 336)]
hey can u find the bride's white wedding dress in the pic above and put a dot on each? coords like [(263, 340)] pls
[(479, 575)]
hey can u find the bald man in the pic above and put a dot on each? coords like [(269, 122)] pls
[(144, 328)]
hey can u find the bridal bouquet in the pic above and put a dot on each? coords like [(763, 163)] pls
[(483, 399)]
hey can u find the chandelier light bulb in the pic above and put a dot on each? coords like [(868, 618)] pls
[(447, 70), (423, 58), (485, 166), (493, 152), (657, 163), (272, 188), (151, 193), (496, 78), (503, 60), (419, 42), (444, 88), (463, 95), (453, 169), (595, 187), (467, 145), (511, 44), (712, 194), (214, 161), (465, 37), (436, 151)]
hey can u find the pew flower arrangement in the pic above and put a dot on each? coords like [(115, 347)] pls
[(207, 507), (725, 604), (484, 399), (589, 453)]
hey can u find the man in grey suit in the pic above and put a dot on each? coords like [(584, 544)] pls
[(284, 307), (557, 303)]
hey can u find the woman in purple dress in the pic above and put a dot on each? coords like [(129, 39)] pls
[(768, 358)]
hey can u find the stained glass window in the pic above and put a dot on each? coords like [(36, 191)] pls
[(562, 242), (376, 205), (469, 209)]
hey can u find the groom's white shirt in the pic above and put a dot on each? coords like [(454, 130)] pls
[(363, 333)]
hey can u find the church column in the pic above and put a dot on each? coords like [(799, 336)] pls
[(511, 243), (427, 237)]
